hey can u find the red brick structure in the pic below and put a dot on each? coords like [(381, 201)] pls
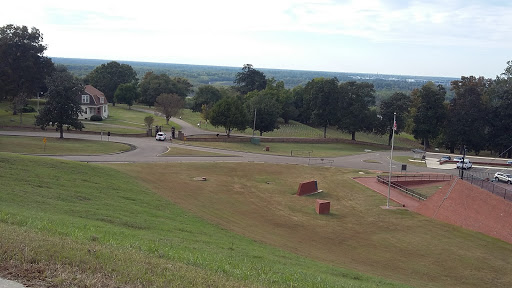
[(307, 188), (323, 206)]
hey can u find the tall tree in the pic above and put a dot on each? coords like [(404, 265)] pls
[(107, 77), (152, 85), (356, 115), (229, 112), (23, 66), (430, 113), (206, 95), (500, 101), (127, 94), (468, 106), (267, 110), (250, 79), (325, 102), (62, 106), (181, 86), (398, 103), (169, 105)]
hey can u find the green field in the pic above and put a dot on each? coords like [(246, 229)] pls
[(291, 149), (74, 224), (121, 120), (296, 129), (153, 225), (56, 146)]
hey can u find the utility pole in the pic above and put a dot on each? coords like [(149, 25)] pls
[(254, 124)]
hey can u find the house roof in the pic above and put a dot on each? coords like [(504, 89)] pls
[(96, 94)]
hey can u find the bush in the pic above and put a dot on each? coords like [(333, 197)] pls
[(28, 109), (96, 118)]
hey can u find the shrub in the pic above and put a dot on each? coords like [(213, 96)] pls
[(28, 109), (96, 118)]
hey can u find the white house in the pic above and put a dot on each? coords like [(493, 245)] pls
[(93, 102)]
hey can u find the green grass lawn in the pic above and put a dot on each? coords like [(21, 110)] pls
[(56, 146), (74, 224), (291, 149), (296, 129), (121, 120)]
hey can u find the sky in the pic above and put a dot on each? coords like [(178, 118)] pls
[(451, 38)]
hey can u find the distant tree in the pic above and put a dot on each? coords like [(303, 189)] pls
[(152, 85), (181, 86), (467, 114), (430, 113), (23, 66), (107, 77), (398, 103), (267, 110), (500, 101), (302, 103), (169, 105), (127, 94), (324, 101), (229, 113), (206, 95), (250, 79), (148, 121), (356, 115), (62, 106)]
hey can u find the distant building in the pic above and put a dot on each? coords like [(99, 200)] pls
[(93, 102)]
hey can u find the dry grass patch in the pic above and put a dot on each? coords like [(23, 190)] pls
[(395, 244)]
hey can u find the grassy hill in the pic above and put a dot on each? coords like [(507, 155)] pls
[(152, 225)]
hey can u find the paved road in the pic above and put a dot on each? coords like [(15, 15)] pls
[(148, 150)]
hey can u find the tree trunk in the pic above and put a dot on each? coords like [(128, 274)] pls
[(426, 144), (353, 135), (325, 131), (452, 149), (61, 131), (261, 133), (167, 120), (21, 117)]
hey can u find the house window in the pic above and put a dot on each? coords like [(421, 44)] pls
[(104, 109), (84, 111), (102, 99), (85, 98)]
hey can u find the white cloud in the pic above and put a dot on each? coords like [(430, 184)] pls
[(289, 32)]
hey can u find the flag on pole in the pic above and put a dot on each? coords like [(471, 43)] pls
[(394, 126)]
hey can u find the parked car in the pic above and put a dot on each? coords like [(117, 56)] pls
[(509, 162), (445, 158), (464, 165), (160, 136), (500, 176), (457, 158)]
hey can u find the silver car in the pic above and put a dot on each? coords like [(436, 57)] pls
[(499, 176)]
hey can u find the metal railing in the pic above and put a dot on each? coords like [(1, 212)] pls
[(484, 181), (395, 179), (320, 161), (301, 153)]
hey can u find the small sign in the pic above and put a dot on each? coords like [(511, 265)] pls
[(44, 140)]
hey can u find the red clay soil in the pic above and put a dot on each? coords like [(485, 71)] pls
[(472, 208), (395, 195), (466, 206)]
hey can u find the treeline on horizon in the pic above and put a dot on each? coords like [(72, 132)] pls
[(198, 75)]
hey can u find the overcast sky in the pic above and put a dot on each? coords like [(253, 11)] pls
[(429, 38)]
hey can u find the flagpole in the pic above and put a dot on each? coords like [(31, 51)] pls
[(391, 157)]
